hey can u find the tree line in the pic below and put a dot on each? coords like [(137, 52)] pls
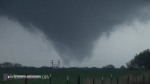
[(140, 61), (10, 65)]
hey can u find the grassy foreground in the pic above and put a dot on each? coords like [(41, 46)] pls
[(59, 76)]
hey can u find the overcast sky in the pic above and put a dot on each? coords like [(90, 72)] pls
[(90, 33)]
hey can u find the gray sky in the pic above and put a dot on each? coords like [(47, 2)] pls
[(78, 32)]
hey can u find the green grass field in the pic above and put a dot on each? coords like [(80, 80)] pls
[(59, 75)]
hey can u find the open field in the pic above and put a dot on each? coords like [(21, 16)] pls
[(87, 75)]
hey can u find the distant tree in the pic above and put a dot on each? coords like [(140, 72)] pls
[(9, 65), (44, 67), (110, 66), (141, 60), (122, 67), (6, 64), (93, 67), (17, 65)]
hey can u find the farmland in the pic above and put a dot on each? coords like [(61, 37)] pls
[(59, 76)]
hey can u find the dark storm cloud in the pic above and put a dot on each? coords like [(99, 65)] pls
[(72, 25)]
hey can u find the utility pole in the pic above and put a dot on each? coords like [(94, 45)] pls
[(55, 64), (52, 62), (58, 63)]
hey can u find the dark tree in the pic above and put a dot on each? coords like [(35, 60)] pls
[(110, 66), (9, 65), (17, 65), (122, 67), (141, 60), (130, 64), (6, 64)]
